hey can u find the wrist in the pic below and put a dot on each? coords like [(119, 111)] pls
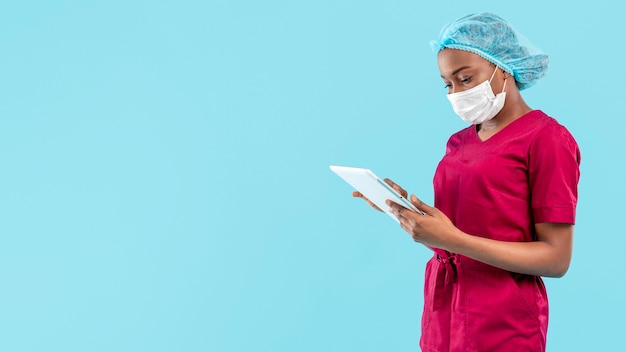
[(459, 241)]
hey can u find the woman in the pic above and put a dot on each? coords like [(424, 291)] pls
[(505, 198)]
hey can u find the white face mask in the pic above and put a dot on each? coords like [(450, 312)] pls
[(478, 104)]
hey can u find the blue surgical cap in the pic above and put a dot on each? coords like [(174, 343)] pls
[(490, 37)]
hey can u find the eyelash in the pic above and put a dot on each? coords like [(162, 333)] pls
[(464, 80)]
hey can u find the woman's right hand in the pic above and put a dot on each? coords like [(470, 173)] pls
[(398, 189)]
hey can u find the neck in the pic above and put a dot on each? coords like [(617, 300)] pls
[(514, 108)]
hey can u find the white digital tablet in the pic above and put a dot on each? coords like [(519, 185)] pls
[(373, 187)]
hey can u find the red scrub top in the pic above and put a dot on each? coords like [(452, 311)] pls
[(499, 188)]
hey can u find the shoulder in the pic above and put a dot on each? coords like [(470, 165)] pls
[(551, 143), (546, 130)]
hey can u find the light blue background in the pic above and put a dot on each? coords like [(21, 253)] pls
[(165, 181)]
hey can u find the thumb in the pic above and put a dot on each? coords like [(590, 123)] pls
[(421, 205)]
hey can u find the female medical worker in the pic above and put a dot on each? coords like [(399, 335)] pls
[(505, 198)]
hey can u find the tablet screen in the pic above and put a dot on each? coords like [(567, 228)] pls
[(372, 187)]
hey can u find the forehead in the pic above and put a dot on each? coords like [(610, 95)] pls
[(450, 60)]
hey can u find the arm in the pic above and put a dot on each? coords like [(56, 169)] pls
[(549, 256)]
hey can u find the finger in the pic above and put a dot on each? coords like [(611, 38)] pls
[(392, 184), (394, 208), (408, 226), (389, 182), (397, 188), (421, 205), (400, 211), (409, 218), (404, 215), (357, 194)]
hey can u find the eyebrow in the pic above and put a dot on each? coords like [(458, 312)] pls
[(459, 70)]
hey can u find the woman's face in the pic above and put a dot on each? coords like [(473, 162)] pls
[(462, 70)]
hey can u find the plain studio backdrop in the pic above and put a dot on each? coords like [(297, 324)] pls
[(165, 182)]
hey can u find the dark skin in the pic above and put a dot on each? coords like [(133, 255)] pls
[(550, 255)]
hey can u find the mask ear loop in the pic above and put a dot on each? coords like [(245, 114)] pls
[(493, 75)]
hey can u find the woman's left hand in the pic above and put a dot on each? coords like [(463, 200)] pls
[(433, 229)]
